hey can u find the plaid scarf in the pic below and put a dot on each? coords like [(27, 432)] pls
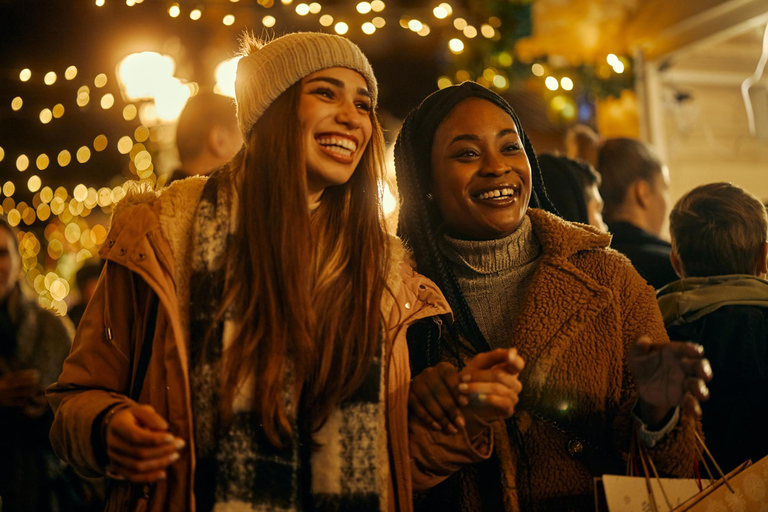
[(238, 469)]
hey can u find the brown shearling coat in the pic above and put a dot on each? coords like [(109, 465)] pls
[(585, 305), (147, 250)]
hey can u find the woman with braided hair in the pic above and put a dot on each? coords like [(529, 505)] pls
[(477, 218)]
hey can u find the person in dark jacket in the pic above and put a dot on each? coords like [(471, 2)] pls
[(719, 251), (635, 189), (573, 188)]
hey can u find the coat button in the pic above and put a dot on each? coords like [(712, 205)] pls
[(575, 448), (407, 305), (141, 256), (122, 251), (110, 243)]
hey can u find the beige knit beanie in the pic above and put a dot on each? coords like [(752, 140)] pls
[(267, 70)]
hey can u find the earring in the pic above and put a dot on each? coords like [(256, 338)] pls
[(429, 196)]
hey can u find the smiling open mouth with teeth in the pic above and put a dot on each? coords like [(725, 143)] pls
[(499, 193), (340, 145)]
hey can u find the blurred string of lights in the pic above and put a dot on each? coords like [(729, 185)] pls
[(479, 44)]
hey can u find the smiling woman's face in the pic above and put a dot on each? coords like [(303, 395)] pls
[(335, 114), (480, 172)]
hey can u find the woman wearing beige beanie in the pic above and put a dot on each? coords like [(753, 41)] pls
[(246, 348)]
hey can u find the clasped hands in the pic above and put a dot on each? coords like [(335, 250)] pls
[(486, 390)]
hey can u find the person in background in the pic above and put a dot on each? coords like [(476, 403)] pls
[(582, 143), (86, 278), (719, 250), (599, 367), (33, 345), (207, 135), (573, 188), (635, 190)]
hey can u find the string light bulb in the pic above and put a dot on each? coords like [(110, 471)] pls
[(341, 28)]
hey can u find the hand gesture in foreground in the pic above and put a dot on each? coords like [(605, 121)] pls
[(139, 446), (668, 375), (485, 391)]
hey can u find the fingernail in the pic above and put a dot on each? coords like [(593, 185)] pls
[(463, 387), (460, 421), (179, 443), (452, 429), (436, 426), (512, 355), (463, 400), (466, 378), (481, 397), (169, 438), (174, 456), (698, 410), (699, 349), (703, 389), (162, 476), (707, 368)]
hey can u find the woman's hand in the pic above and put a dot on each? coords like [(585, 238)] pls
[(668, 375), (486, 390), (139, 445)]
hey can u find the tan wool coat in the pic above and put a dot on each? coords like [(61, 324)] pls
[(148, 251), (584, 307)]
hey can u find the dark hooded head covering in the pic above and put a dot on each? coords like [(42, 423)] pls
[(419, 216), (566, 181)]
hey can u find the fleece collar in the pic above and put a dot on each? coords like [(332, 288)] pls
[(687, 300)]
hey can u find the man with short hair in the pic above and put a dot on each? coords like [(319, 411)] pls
[(635, 191), (207, 135), (720, 251)]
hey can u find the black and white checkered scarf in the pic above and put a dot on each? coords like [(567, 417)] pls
[(237, 468)]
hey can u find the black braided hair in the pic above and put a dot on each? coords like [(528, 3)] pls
[(419, 217)]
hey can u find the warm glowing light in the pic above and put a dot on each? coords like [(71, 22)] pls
[(377, 6), (142, 74), (58, 110), (341, 28), (415, 25), (460, 23), (42, 161), (170, 99), (228, 20), (315, 7), (80, 193), (25, 75), (447, 8), (99, 3), (618, 67), (566, 83), (195, 14), (302, 9), (50, 78), (100, 142), (364, 7), (440, 12), (286, 2), (612, 59), (463, 75), (107, 101), (174, 10), (2, 153), (46, 194), (100, 80), (83, 154), (34, 183), (424, 30), (225, 73), (124, 145), (470, 32), (46, 115), (22, 162), (129, 112), (487, 31), (551, 83), (500, 82), (505, 59), (537, 69), (379, 22), (9, 188), (16, 103), (268, 21), (64, 158), (141, 134), (368, 28), (444, 82), (456, 45), (326, 20)]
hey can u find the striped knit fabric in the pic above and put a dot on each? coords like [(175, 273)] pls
[(238, 470)]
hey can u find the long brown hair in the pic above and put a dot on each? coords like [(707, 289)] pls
[(306, 287)]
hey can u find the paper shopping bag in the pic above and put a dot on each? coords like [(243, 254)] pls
[(748, 491)]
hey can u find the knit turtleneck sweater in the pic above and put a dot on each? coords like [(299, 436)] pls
[(494, 276)]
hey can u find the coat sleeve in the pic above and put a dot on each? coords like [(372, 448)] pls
[(436, 455), (675, 453), (96, 375)]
